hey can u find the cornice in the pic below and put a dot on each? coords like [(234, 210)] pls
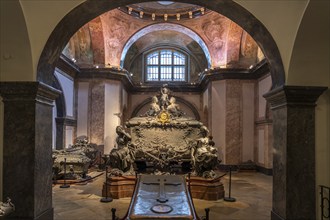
[(67, 66), (258, 71), (66, 121), (28, 91), (294, 96)]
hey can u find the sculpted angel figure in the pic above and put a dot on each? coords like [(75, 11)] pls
[(174, 108), (164, 94), (154, 107)]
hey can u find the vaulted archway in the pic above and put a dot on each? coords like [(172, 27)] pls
[(90, 9)]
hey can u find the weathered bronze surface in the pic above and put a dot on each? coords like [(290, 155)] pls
[(164, 139), (78, 159), (161, 197)]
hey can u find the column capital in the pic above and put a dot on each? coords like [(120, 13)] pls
[(66, 121), (19, 91), (294, 96)]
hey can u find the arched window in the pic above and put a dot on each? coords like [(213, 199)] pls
[(166, 65)]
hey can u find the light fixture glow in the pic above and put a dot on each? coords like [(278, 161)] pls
[(202, 11), (153, 16), (141, 14), (178, 16), (130, 10), (190, 14), (165, 17)]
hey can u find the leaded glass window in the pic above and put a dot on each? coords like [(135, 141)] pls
[(166, 65)]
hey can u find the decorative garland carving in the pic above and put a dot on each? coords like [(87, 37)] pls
[(162, 138)]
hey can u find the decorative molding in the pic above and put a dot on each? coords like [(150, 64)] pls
[(28, 91), (264, 121), (66, 121), (67, 66), (258, 71), (294, 96), (107, 73)]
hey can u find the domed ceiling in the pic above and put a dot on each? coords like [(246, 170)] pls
[(114, 38)]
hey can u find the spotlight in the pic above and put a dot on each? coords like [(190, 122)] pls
[(178, 16), (141, 14), (153, 16), (165, 17), (190, 14), (202, 11)]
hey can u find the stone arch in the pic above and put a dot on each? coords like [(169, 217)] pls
[(90, 9), (166, 26), (306, 56)]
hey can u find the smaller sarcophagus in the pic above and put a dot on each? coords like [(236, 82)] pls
[(75, 161), (71, 164)]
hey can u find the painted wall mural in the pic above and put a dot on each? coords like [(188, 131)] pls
[(101, 41)]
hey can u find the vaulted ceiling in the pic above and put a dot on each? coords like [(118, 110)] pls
[(107, 40)]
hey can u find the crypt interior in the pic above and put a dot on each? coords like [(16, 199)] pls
[(101, 64)]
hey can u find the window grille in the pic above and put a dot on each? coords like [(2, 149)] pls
[(166, 65)]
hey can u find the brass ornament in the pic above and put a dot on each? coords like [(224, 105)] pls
[(164, 117)]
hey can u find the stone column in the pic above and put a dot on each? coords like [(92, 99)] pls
[(60, 133), (294, 151), (61, 124), (234, 123), (27, 148), (96, 112)]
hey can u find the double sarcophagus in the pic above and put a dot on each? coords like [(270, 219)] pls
[(164, 145), (164, 140)]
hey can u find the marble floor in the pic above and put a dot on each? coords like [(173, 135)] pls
[(253, 193)]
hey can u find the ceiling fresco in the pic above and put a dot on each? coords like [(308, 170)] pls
[(102, 41)]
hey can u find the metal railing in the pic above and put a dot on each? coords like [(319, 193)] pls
[(325, 205)]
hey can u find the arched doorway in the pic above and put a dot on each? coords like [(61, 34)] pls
[(57, 42), (91, 9)]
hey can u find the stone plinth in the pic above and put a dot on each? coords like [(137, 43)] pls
[(201, 188), (119, 187), (206, 189)]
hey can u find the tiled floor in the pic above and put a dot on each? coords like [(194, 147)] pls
[(252, 192)]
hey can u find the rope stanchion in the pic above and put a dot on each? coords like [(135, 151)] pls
[(64, 183), (114, 217), (207, 214), (229, 198), (106, 198)]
